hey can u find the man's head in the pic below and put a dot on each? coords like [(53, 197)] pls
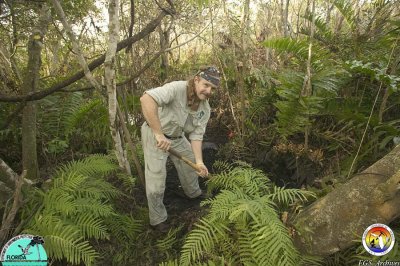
[(206, 79)]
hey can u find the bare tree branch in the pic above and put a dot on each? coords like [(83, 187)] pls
[(92, 65), (12, 176), (9, 219)]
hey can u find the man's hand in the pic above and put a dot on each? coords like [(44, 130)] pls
[(203, 170), (162, 142)]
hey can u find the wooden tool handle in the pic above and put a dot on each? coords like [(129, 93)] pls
[(186, 160)]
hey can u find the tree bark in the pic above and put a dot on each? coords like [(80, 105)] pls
[(8, 219), (30, 85), (75, 46), (109, 75), (164, 45), (241, 65), (307, 86), (285, 15), (332, 222)]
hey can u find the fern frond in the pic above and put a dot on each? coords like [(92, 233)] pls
[(91, 227), (128, 181), (74, 118), (167, 243), (243, 223), (69, 181), (57, 201), (220, 206), (273, 247), (257, 209), (201, 240), (221, 166), (249, 181), (124, 227), (170, 263), (98, 189), (63, 241), (94, 165), (53, 111), (245, 245), (286, 196), (94, 207)]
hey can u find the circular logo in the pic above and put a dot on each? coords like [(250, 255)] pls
[(24, 250), (378, 239)]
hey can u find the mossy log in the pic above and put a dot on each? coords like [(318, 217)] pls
[(333, 221)]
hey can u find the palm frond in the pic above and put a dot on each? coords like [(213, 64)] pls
[(299, 49), (347, 12), (323, 28)]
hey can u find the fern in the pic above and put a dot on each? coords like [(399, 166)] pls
[(89, 166), (166, 245), (77, 117), (124, 227), (63, 240), (202, 239), (75, 209), (243, 222), (91, 227)]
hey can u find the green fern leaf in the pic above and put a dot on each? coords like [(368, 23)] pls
[(91, 227)]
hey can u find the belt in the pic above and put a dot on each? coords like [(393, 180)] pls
[(168, 137), (172, 138)]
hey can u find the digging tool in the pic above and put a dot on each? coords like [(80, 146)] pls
[(183, 158)]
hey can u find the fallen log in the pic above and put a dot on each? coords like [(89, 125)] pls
[(332, 222)]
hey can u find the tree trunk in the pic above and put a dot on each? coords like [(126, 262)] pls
[(307, 86), (30, 85), (284, 16), (164, 45), (332, 222), (109, 74), (241, 65)]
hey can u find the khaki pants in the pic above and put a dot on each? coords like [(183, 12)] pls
[(155, 173)]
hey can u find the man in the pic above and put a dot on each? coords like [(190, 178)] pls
[(171, 111)]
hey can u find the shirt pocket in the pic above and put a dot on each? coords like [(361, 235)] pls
[(179, 116)]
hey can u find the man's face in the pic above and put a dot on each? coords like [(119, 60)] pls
[(203, 88)]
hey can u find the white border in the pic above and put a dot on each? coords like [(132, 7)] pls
[(378, 253)]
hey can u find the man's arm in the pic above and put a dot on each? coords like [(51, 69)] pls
[(150, 113), (198, 155)]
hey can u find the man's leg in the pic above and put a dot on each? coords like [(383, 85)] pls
[(155, 174), (187, 176)]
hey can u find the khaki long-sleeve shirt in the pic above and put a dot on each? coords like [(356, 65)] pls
[(175, 115)]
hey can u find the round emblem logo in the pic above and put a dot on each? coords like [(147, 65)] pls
[(24, 250), (378, 239)]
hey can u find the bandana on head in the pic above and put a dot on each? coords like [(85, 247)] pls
[(211, 74)]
